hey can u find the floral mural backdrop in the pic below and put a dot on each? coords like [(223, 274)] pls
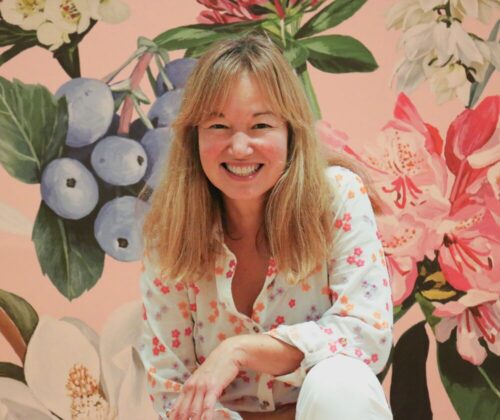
[(90, 144)]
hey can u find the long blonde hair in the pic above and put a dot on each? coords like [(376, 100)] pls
[(186, 208)]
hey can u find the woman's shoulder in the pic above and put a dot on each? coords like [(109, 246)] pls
[(342, 178)]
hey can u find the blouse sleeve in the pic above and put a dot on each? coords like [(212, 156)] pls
[(167, 348), (359, 322)]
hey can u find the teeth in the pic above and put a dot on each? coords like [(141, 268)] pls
[(243, 170)]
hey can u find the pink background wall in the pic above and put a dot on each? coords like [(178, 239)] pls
[(358, 103)]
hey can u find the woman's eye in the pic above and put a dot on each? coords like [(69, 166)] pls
[(217, 126), (263, 125)]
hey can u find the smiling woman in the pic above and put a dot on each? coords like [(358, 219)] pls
[(264, 286)]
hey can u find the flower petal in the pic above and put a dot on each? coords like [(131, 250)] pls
[(13, 221), (443, 329), (55, 348), (133, 401), (113, 11), (120, 333), (19, 402), (468, 343)]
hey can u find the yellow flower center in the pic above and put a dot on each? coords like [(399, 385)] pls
[(87, 401), (30, 7)]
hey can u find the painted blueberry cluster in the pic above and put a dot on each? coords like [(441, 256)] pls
[(102, 170)]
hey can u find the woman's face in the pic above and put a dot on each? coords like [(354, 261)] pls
[(243, 150)]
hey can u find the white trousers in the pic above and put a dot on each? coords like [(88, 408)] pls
[(342, 388)]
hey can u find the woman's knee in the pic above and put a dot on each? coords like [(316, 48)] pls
[(342, 387)]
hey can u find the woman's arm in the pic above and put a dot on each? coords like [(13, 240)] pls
[(263, 353)]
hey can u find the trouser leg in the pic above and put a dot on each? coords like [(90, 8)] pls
[(342, 388)]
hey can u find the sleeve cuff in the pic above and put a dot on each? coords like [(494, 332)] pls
[(310, 340)]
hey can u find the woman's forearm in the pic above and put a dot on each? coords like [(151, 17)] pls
[(266, 354)]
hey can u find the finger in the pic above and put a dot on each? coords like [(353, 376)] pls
[(195, 411), (209, 405), (182, 404)]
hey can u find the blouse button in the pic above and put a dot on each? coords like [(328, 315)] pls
[(256, 329)]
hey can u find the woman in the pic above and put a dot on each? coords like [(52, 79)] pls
[(265, 288)]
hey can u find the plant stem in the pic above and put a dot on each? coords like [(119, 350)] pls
[(135, 80), (306, 83), (11, 333), (489, 381)]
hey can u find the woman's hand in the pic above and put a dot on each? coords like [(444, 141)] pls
[(202, 390)]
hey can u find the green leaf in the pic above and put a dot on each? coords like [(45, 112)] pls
[(338, 54), (68, 57), (191, 36), (476, 89), (33, 127), (295, 53), (329, 16), (68, 251), (12, 34), (20, 312), (409, 392), (469, 391), (10, 370), (427, 308)]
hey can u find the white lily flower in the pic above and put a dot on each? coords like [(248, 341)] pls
[(454, 41), (477, 9), (109, 11), (51, 35), (448, 82), (77, 376), (408, 13), (69, 15), (408, 75), (418, 41), (27, 14)]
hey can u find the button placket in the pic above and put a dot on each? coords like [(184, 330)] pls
[(265, 393)]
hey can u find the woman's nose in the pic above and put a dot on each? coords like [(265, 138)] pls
[(241, 145)]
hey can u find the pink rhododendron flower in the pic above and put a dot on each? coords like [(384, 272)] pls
[(405, 160), (471, 143), (470, 249), (475, 315), (229, 11)]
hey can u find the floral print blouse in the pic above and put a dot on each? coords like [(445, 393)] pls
[(344, 307)]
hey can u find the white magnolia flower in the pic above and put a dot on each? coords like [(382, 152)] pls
[(77, 376), (51, 35), (69, 15), (109, 11), (27, 14), (408, 13)]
